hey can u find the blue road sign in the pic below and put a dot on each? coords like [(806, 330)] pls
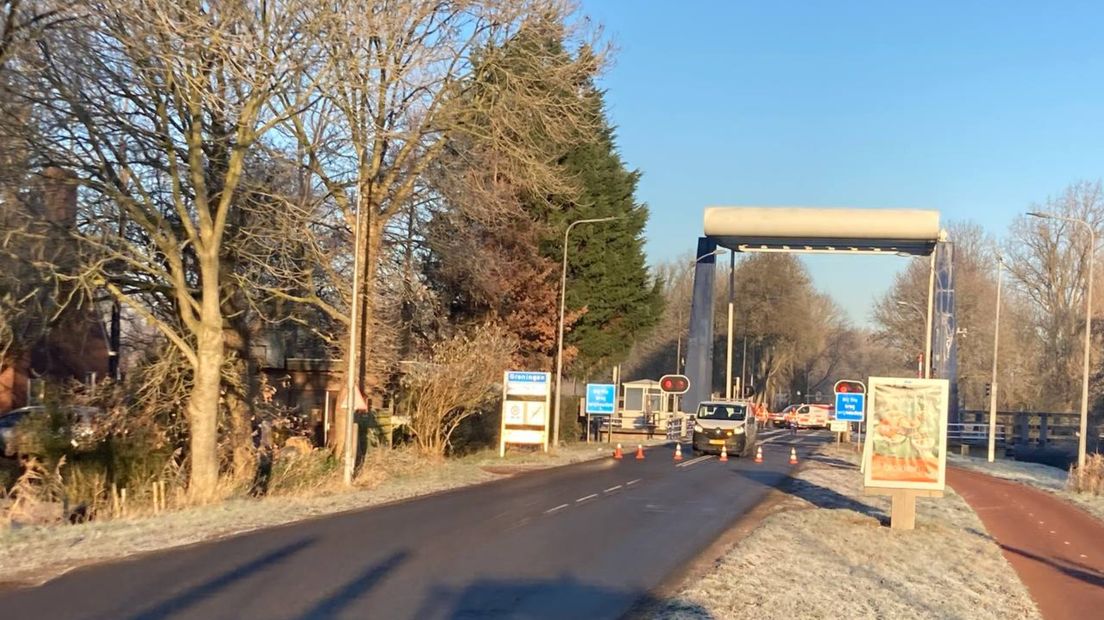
[(849, 407), (601, 398)]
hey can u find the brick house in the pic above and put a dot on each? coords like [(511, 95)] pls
[(52, 346)]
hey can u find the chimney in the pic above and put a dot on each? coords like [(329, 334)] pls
[(59, 197)]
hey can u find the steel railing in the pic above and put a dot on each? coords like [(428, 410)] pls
[(974, 433)]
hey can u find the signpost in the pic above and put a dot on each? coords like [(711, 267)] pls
[(525, 405), (601, 400), (850, 407)]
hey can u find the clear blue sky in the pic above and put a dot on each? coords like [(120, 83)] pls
[(974, 108)]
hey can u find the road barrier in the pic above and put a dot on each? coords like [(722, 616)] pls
[(679, 427)]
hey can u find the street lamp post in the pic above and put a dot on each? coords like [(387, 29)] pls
[(1091, 255), (930, 314), (993, 381), (349, 457), (559, 338), (925, 371)]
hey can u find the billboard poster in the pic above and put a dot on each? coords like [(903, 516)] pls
[(906, 442)]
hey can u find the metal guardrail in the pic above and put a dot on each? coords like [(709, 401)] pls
[(974, 433)]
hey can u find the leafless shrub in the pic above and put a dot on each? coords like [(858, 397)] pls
[(303, 473), (35, 497), (1090, 478), (461, 375)]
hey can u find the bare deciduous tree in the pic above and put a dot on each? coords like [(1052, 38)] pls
[(156, 106), (1049, 264), (406, 94)]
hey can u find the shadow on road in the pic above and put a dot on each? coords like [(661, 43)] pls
[(1075, 570), (547, 599), (819, 496), (343, 598), (828, 460), (203, 591)]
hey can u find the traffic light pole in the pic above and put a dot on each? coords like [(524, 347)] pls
[(993, 381)]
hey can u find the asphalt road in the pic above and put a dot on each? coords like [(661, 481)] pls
[(585, 541)]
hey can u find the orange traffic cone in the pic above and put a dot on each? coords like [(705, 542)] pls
[(617, 452), (639, 452), (678, 451), (759, 454), (793, 456), (724, 454)]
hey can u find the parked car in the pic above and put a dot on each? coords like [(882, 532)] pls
[(8, 430), (726, 424), (79, 429), (782, 418)]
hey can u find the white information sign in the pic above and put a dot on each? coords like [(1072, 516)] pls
[(526, 398)]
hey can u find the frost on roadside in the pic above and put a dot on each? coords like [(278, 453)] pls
[(828, 555)]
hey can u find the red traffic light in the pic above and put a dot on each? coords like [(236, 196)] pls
[(850, 387), (674, 384)]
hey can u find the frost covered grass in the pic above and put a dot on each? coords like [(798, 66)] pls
[(827, 554), (35, 553), (1040, 476)]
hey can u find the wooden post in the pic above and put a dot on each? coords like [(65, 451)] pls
[(902, 515), (902, 512), (123, 502), (114, 500)]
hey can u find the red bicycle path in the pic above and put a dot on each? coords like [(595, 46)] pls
[(1056, 548)]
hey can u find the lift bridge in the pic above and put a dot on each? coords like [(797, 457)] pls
[(889, 232)]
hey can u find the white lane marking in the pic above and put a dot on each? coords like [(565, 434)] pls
[(612, 489), (695, 461), (551, 510), (1084, 556), (632, 482), (1051, 531), (583, 499), (1066, 541)]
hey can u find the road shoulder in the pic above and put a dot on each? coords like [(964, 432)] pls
[(826, 553)]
